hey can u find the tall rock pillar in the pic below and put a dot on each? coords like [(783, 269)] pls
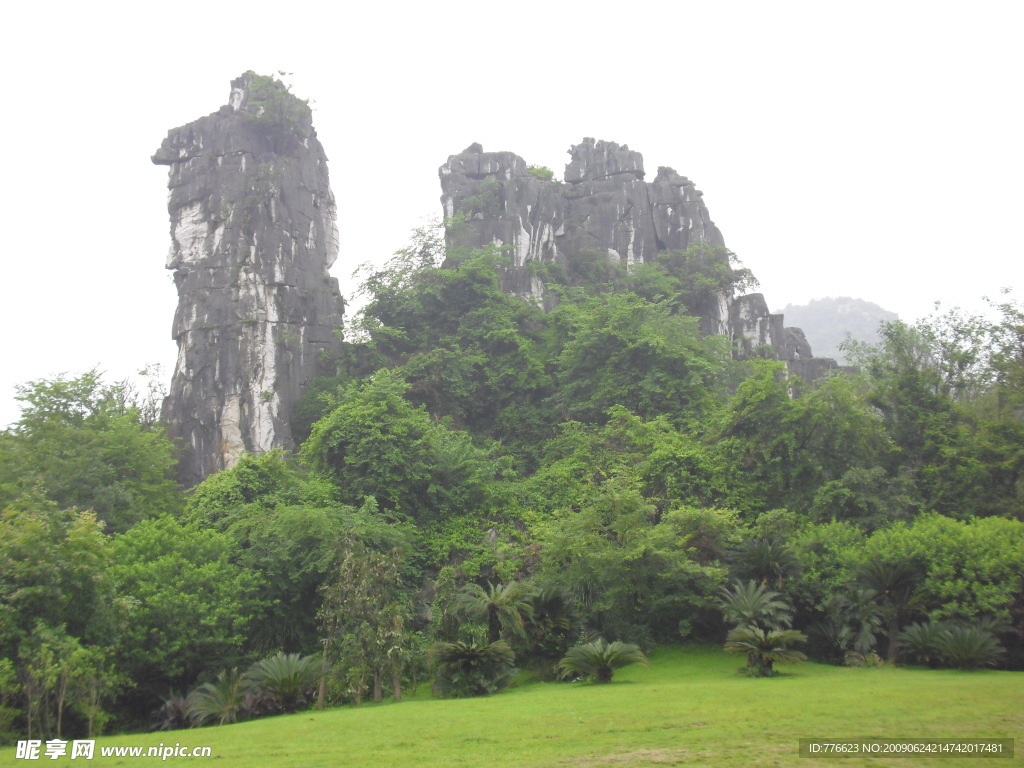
[(253, 234)]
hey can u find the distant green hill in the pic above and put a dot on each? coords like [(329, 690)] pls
[(826, 322)]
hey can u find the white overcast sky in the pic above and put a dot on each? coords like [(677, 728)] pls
[(864, 149)]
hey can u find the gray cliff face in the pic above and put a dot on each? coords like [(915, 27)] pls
[(604, 210), (253, 234)]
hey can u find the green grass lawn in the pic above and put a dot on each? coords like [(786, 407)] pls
[(689, 708)]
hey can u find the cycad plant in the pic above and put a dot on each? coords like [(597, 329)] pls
[(174, 714), (471, 669), (969, 647), (288, 678), (749, 604), (222, 700), (923, 642), (599, 660), (895, 588), (770, 561), (765, 648), (505, 606), (550, 629)]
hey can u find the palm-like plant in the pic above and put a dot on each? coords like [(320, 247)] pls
[(504, 606), (550, 630), (599, 659), (895, 588), (222, 700), (290, 678), (749, 604), (765, 648), (923, 641), (857, 614), (471, 669), (174, 714), (970, 647), (765, 560)]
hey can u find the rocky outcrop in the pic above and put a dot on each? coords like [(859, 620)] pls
[(603, 216), (253, 234), (603, 210)]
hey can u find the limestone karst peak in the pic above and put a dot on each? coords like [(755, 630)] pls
[(253, 233), (604, 214)]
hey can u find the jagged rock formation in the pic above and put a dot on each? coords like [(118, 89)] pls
[(253, 234), (604, 210)]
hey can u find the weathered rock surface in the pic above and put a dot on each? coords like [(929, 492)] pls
[(603, 214), (253, 234)]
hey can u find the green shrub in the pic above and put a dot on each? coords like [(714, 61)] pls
[(541, 172)]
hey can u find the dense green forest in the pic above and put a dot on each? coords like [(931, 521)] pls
[(485, 486)]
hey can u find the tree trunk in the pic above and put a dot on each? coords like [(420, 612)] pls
[(894, 640), (378, 688), (493, 627), (321, 697), (396, 684)]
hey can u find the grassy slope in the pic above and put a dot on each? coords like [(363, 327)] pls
[(688, 709)]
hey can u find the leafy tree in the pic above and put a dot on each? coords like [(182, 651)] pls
[(669, 468), (622, 350), (288, 527), (915, 379), (541, 172), (190, 607), (870, 497), (55, 570), (10, 694), (631, 572), (963, 570), (46, 668), (89, 445), (599, 659), (95, 685), (265, 481), (780, 451), (375, 443), (469, 351), (692, 282), (754, 440), (365, 616), (765, 648)]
